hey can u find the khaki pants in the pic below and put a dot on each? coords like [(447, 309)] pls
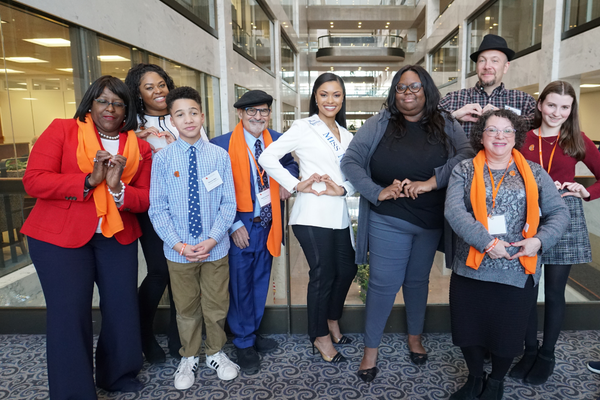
[(201, 293)]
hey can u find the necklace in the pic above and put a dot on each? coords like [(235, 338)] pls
[(551, 143), (103, 136)]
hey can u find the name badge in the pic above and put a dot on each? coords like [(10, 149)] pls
[(497, 225), (515, 110), (212, 181), (264, 197)]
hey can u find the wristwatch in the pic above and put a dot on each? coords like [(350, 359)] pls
[(87, 183)]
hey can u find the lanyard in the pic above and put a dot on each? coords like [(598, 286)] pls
[(261, 174), (540, 149), (494, 188)]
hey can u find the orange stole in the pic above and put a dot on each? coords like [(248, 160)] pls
[(478, 201), (240, 166), (87, 147)]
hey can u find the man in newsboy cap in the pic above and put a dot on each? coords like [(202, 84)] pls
[(492, 61), (256, 234)]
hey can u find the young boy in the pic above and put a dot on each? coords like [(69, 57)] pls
[(192, 206)]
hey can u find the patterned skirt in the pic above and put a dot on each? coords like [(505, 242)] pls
[(574, 245)]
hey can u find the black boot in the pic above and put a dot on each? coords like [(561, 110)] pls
[(494, 390), (470, 390), (152, 351), (522, 368), (542, 369)]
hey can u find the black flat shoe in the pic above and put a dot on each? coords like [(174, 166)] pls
[(418, 358), (367, 375), (343, 340)]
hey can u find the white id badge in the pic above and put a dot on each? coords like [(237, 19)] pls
[(264, 197), (212, 181), (497, 225)]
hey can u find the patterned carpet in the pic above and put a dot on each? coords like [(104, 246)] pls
[(292, 372)]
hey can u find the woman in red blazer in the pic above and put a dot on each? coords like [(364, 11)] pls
[(90, 175)]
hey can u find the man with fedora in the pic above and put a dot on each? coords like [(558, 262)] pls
[(257, 232), (492, 61)]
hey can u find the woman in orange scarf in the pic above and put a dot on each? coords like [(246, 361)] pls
[(90, 174), (505, 211)]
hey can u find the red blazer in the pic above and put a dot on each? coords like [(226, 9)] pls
[(62, 215)]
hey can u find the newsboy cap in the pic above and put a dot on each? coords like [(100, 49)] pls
[(493, 42), (254, 98)]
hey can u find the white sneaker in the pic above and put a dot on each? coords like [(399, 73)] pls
[(184, 376), (226, 369)]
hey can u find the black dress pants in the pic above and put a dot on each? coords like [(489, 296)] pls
[(330, 257)]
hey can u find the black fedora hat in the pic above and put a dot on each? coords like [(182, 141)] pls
[(493, 42)]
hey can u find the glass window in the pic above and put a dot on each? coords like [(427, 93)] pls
[(205, 10), (444, 4), (36, 86), (288, 115), (206, 84), (288, 70), (444, 62), (239, 91), (517, 21), (578, 12), (115, 59), (252, 31), (288, 7)]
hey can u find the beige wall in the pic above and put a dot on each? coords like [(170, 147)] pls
[(588, 114)]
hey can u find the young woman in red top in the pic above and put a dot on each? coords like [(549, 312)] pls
[(557, 145)]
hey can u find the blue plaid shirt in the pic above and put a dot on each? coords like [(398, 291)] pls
[(169, 198), (500, 97)]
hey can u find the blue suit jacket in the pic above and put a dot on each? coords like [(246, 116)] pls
[(287, 161)]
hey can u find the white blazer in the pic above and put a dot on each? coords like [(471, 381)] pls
[(316, 156)]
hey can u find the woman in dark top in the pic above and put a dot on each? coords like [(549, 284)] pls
[(557, 145), (400, 162)]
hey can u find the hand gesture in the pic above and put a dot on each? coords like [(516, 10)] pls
[(488, 107), (392, 192), (499, 251), (331, 188), (528, 247), (201, 251), (306, 185), (143, 134), (468, 112), (100, 167), (413, 189), (575, 189), (115, 166)]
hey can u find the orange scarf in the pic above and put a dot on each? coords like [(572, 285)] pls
[(478, 201), (89, 144), (240, 166)]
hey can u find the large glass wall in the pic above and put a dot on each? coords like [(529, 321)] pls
[(288, 63), (115, 59), (207, 85), (203, 9), (579, 12), (252, 31), (444, 62), (517, 21), (36, 86)]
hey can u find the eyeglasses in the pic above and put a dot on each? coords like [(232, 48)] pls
[(105, 103), (413, 87), (492, 131), (264, 112)]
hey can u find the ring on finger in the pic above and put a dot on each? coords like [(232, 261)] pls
[(95, 160)]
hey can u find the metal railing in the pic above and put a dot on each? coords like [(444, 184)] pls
[(363, 2), (376, 41)]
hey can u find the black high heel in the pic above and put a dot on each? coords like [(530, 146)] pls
[(338, 358), (343, 340), (367, 375)]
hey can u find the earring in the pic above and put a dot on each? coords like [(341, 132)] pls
[(142, 103), (90, 110)]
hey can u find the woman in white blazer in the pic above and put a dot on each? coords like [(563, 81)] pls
[(320, 217)]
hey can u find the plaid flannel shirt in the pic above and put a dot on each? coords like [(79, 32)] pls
[(500, 98)]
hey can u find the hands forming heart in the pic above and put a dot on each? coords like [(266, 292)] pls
[(331, 188)]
